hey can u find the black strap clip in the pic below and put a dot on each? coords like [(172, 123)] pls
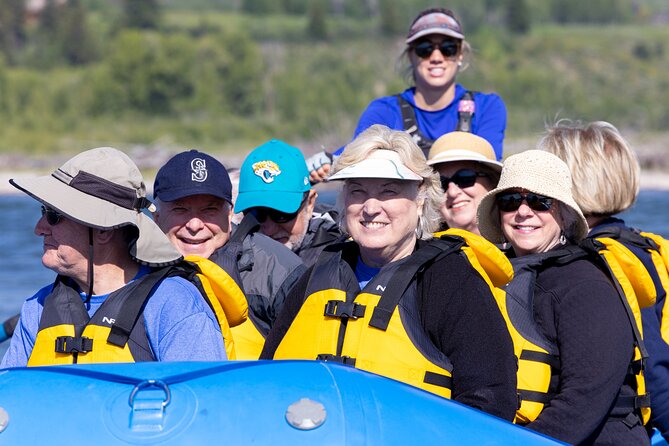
[(636, 367), (70, 344), (344, 310), (346, 360)]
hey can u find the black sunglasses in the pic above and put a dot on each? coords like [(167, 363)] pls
[(463, 178), (53, 217), (511, 201), (448, 48), (261, 213)]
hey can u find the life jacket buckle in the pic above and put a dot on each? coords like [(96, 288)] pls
[(346, 360), (344, 310), (70, 344)]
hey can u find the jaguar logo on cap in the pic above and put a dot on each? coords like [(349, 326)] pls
[(199, 168), (267, 170)]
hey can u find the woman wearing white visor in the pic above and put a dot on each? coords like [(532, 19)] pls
[(411, 306)]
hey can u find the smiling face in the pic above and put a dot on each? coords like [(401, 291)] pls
[(65, 248), (381, 217), (434, 71), (459, 209), (196, 225), (291, 233), (530, 231)]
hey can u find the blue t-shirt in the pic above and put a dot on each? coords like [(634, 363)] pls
[(180, 326), (489, 120), (364, 273)]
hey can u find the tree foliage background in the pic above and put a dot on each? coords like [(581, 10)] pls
[(229, 74)]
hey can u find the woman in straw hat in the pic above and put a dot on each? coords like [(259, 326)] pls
[(406, 301), (435, 53), (605, 179), (570, 327), (468, 170)]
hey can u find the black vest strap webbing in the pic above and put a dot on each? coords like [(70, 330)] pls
[(404, 275), (133, 306), (411, 126)]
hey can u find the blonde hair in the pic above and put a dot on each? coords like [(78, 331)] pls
[(604, 168), (381, 137)]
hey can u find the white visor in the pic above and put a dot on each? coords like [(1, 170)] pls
[(381, 163)]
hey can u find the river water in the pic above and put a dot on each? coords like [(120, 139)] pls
[(22, 273)]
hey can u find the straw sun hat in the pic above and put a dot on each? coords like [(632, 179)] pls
[(535, 171), (102, 188), (463, 146)]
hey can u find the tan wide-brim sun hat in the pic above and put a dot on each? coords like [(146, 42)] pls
[(103, 188), (535, 171), (463, 146)]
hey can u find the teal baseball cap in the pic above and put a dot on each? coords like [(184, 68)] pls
[(274, 175)]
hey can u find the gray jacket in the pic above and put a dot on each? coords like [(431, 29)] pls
[(264, 269)]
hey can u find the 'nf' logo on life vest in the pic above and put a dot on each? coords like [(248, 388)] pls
[(199, 168), (108, 320)]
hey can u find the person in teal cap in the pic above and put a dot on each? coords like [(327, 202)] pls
[(274, 187)]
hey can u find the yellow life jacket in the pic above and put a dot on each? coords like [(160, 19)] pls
[(224, 297), (485, 257), (660, 257), (68, 335), (368, 329), (538, 357)]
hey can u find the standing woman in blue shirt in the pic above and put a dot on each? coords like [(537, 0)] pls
[(436, 51)]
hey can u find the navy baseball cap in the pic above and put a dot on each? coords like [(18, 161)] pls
[(192, 173), (274, 175)]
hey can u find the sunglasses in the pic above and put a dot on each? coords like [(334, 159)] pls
[(448, 48), (261, 213), (463, 178), (511, 201), (53, 217)]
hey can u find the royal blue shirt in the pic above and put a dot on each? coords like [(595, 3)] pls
[(488, 122)]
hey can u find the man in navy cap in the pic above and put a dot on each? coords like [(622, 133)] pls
[(193, 197), (274, 187)]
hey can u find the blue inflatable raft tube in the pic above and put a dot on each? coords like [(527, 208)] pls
[(235, 403)]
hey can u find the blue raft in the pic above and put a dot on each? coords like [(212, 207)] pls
[(237, 403)]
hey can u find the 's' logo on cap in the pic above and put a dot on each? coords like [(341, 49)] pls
[(199, 168), (266, 170)]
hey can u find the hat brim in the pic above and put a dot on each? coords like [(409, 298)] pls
[(152, 245), (464, 155), (430, 31), (377, 168), (198, 189), (282, 201)]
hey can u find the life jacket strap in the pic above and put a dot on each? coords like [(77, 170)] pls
[(636, 367), (632, 402), (70, 344), (534, 396), (401, 279), (437, 379), (545, 358), (344, 310), (346, 360)]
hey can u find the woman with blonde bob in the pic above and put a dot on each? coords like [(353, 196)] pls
[(605, 180), (571, 330), (406, 301)]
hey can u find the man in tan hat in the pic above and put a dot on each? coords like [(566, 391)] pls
[(117, 296), (468, 169)]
